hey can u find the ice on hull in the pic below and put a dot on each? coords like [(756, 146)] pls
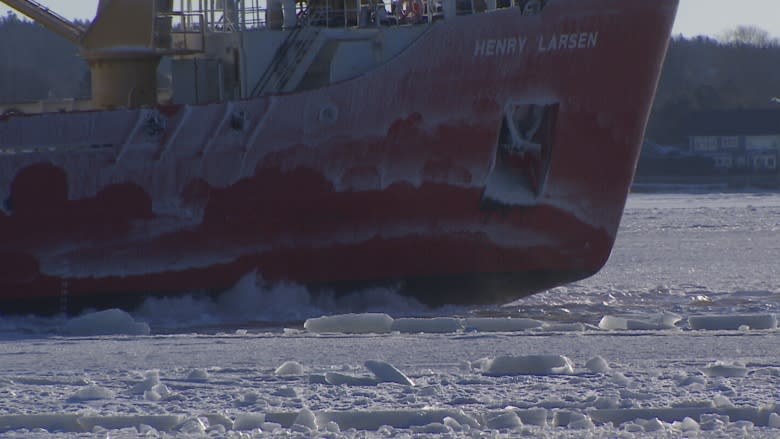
[(505, 178)]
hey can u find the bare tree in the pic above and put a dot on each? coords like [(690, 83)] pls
[(748, 36)]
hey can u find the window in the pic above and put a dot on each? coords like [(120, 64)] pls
[(705, 143), (729, 142), (723, 162)]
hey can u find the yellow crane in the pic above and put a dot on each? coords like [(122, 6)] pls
[(123, 46)]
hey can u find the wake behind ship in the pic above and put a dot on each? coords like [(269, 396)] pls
[(474, 151)]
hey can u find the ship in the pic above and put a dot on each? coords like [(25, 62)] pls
[(469, 151)]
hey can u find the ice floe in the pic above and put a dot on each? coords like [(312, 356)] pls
[(92, 392), (117, 322), (629, 381), (306, 418), (338, 379), (382, 372), (488, 324), (597, 364), (429, 325), (528, 365), (383, 324), (504, 421), (387, 373), (151, 379), (249, 421), (721, 369), (289, 368), (108, 322), (587, 419), (351, 324), (733, 322), (198, 375), (643, 373), (650, 322)]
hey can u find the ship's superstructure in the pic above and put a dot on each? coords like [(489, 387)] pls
[(472, 151), (232, 49)]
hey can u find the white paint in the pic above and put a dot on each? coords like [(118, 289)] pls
[(571, 41), (500, 46)]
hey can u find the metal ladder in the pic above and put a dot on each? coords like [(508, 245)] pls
[(290, 54)]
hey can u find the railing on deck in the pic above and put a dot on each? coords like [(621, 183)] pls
[(180, 32), (243, 15), (223, 15)]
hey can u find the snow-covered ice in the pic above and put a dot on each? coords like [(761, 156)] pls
[(108, 322), (351, 324), (676, 337), (758, 321), (386, 372), (528, 365), (289, 368)]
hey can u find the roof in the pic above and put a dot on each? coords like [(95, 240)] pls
[(733, 123), (652, 149)]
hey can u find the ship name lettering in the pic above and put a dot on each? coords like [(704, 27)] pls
[(580, 40), (500, 46)]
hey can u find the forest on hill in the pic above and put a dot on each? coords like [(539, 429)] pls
[(739, 70), (36, 64)]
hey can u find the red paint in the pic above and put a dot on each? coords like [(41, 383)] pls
[(391, 191)]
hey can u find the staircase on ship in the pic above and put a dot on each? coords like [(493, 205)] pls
[(291, 52)]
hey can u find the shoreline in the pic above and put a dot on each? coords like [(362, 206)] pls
[(706, 183)]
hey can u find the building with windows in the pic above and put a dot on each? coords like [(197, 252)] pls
[(738, 141)]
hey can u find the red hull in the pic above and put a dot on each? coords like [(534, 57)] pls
[(323, 188)]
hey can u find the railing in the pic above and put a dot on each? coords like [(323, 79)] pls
[(224, 15), (180, 32), (252, 17), (237, 16)]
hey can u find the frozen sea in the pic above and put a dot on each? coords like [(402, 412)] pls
[(676, 337)]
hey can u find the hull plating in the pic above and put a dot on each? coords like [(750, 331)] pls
[(401, 174)]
